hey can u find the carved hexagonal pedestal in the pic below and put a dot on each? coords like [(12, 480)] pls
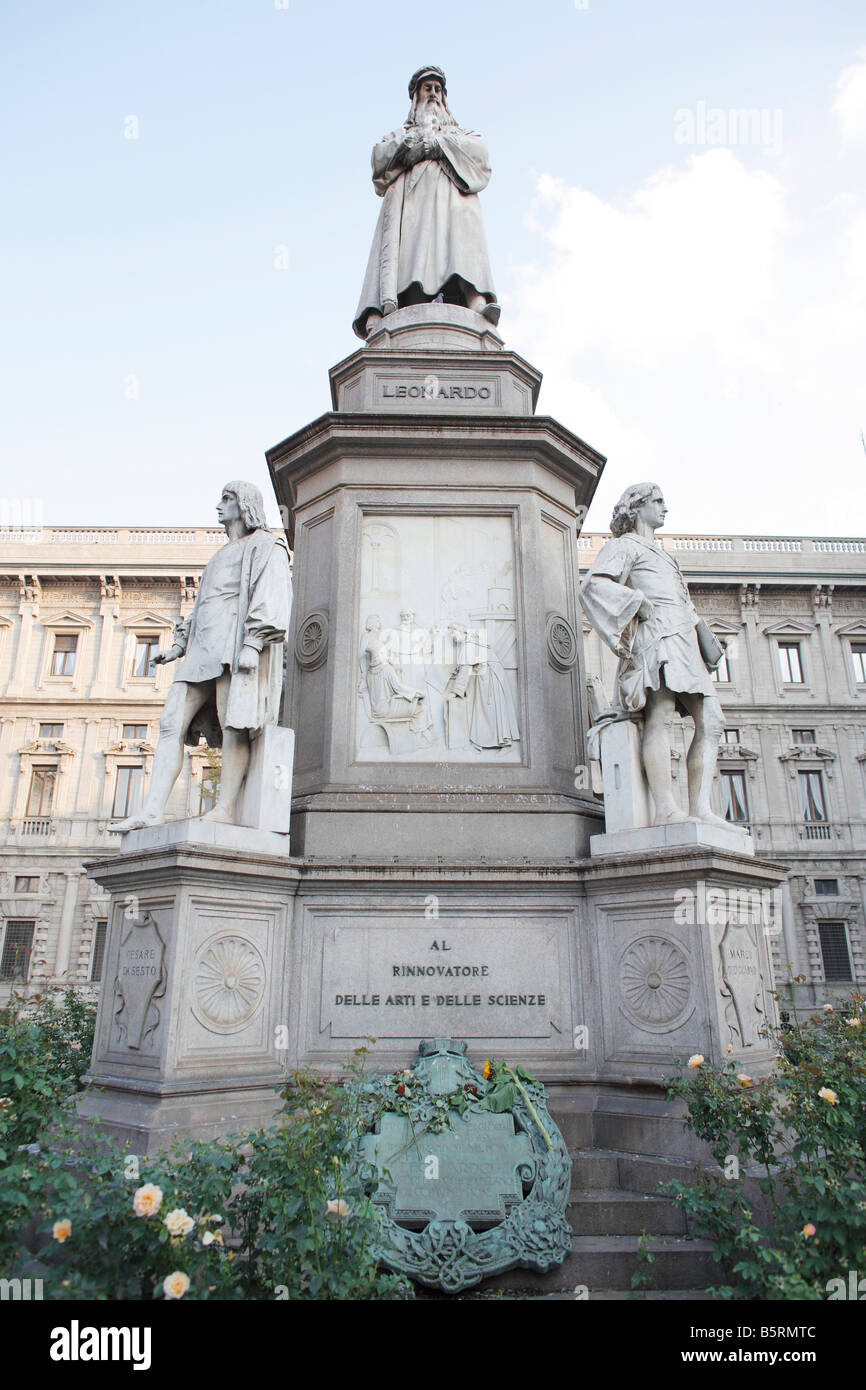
[(195, 977)]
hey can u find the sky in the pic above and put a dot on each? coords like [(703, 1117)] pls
[(188, 213)]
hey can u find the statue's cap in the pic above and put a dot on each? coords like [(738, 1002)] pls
[(419, 76)]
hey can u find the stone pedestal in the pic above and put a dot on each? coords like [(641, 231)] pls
[(195, 984), (431, 496)]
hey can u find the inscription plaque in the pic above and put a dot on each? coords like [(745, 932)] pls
[(403, 980)]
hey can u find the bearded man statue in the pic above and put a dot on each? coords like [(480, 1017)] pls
[(429, 242)]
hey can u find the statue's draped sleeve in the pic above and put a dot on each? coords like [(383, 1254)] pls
[(466, 159), (606, 598), (385, 170)]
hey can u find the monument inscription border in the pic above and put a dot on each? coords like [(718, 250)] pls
[(385, 972)]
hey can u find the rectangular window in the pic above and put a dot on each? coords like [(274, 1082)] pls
[(26, 883), (827, 887), (834, 951), (735, 802), (50, 730), (65, 647), (812, 796), (138, 731), (731, 736), (209, 789), (146, 649), (98, 951), (17, 945), (723, 670), (858, 656), (127, 791), (790, 666), (803, 736), (41, 798)]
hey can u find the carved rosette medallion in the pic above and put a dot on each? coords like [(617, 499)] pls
[(311, 641), (561, 643), (655, 984), (228, 983)]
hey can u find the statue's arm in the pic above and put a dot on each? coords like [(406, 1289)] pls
[(179, 640), (270, 605), (607, 598), (389, 161), (467, 158)]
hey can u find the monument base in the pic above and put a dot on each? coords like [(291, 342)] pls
[(647, 839), (188, 1035)]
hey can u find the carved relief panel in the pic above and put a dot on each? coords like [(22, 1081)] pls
[(438, 669)]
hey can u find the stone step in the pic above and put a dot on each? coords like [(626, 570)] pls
[(615, 1212), (607, 1263), (612, 1168)]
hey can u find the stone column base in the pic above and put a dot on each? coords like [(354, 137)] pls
[(190, 1033)]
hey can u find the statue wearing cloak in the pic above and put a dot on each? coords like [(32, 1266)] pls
[(429, 239)]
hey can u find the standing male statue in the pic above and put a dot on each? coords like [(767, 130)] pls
[(229, 682), (636, 598), (429, 239)]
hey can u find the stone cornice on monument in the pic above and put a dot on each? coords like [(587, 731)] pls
[(339, 437)]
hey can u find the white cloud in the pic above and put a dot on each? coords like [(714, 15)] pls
[(705, 333), (850, 102)]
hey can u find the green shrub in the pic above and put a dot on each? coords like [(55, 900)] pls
[(44, 1051), (802, 1223), (280, 1213)]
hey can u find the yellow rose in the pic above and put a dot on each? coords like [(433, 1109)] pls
[(147, 1200), (336, 1210), (853, 1022), (828, 1008), (486, 1070), (62, 1230), (730, 1047), (743, 1079), (808, 1229), (830, 1096), (697, 1060), (175, 1285), (178, 1222)]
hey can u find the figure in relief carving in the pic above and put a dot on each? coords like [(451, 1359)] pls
[(636, 598), (478, 708), (429, 241), (229, 682), (390, 697)]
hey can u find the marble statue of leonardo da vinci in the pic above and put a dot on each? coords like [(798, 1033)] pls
[(430, 238)]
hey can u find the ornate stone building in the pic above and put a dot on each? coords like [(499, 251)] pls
[(82, 612)]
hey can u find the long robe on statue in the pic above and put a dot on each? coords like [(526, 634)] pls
[(430, 228)]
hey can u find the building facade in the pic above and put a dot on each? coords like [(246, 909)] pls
[(83, 612)]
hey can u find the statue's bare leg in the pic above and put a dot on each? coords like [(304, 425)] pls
[(183, 702), (656, 752), (701, 761), (235, 759)]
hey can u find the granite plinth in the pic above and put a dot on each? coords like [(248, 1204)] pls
[(680, 835), (195, 985), (198, 830)]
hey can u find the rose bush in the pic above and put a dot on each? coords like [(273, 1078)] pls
[(789, 1214), (280, 1213)]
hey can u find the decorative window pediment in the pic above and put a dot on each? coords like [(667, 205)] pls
[(65, 620), (788, 629), (805, 753), (855, 630), (147, 620)]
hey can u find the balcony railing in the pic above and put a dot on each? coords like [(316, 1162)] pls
[(818, 830), (37, 825)]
